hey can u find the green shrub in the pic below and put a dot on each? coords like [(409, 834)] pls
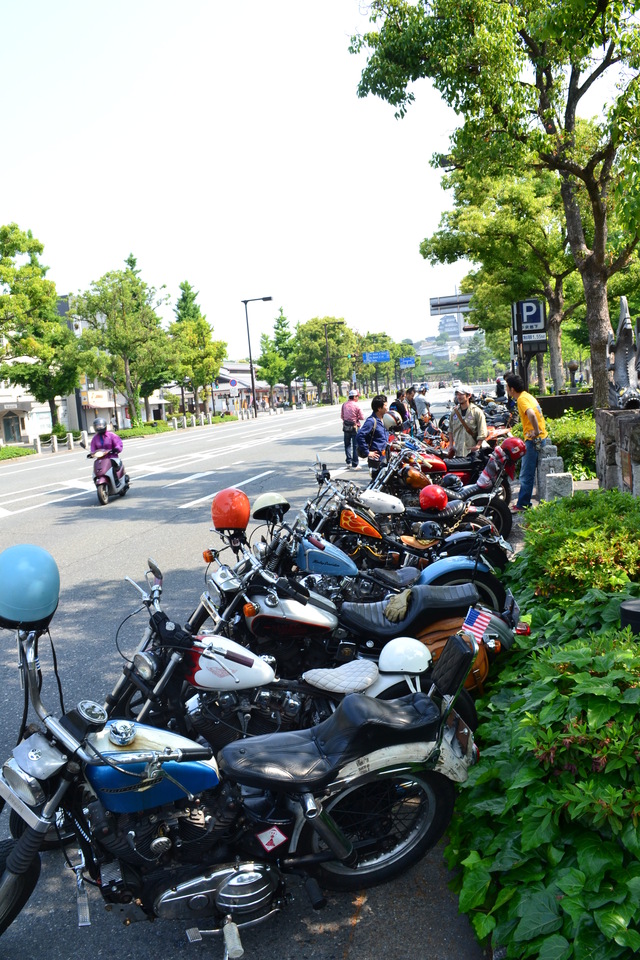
[(574, 434), (12, 453), (588, 540), (546, 835)]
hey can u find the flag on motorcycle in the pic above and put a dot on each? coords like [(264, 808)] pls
[(476, 622)]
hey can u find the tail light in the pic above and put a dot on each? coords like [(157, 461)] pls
[(523, 629)]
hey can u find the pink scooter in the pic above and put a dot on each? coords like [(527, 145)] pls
[(108, 475)]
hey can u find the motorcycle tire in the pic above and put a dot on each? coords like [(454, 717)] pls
[(492, 593), (103, 494), (497, 512), (492, 553), (443, 422), (403, 814), (464, 706), (23, 886), (54, 839)]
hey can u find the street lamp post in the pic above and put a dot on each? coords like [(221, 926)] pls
[(253, 379), (336, 323)]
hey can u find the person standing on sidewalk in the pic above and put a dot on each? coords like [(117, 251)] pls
[(373, 436), (467, 425), (351, 416), (535, 437)]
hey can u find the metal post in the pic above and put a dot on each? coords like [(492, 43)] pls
[(253, 379)]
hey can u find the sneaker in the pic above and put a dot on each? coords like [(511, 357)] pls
[(517, 509), (356, 466)]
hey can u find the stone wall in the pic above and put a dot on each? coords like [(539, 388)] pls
[(618, 450)]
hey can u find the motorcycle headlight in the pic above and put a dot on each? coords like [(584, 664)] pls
[(145, 665), (22, 784), (215, 596), (260, 550)]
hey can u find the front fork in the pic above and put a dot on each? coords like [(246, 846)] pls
[(28, 845)]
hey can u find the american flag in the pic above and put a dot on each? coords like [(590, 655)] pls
[(476, 622)]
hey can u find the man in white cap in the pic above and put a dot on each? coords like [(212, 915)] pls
[(351, 416), (467, 424)]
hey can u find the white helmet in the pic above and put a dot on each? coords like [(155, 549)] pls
[(392, 420)]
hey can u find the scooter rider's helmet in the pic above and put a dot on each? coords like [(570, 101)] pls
[(100, 425), (230, 510), (392, 420), (30, 587), (515, 448), (433, 498)]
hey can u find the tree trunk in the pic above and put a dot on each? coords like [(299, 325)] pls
[(542, 382), (53, 407), (555, 352), (147, 410), (599, 326)]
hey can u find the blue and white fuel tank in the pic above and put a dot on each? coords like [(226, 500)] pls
[(130, 787), (317, 555)]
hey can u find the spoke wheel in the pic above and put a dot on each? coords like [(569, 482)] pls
[(103, 494), (16, 895), (497, 512), (397, 816)]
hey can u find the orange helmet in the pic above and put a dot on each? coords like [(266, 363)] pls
[(433, 498), (230, 510)]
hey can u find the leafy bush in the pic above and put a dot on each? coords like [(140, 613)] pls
[(12, 453), (588, 540), (574, 434), (546, 834)]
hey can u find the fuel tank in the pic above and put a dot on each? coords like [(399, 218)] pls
[(281, 617), (131, 791), (208, 669)]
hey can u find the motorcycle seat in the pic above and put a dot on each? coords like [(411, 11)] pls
[(462, 464), (427, 605), (396, 579), (352, 677), (308, 760), (470, 491), (453, 510)]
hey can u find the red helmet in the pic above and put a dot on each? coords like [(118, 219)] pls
[(433, 498), (230, 510), (515, 448)]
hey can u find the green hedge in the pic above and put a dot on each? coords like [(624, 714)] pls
[(546, 835), (574, 434), (12, 453)]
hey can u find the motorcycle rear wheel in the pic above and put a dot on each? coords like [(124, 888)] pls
[(103, 494), (492, 593), (404, 814), (15, 898), (497, 511)]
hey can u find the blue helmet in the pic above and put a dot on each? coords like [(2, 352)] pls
[(30, 587)]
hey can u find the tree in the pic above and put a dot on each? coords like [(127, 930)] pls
[(124, 342), (309, 356), (284, 345), (513, 227), (271, 365), (475, 364), (40, 351), (199, 355), (518, 74)]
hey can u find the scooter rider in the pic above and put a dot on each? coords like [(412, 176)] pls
[(104, 439)]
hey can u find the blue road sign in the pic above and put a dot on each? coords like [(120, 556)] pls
[(407, 361), (378, 356)]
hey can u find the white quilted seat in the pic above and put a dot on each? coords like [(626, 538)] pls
[(352, 677)]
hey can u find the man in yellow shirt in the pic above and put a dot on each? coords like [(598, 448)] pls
[(535, 436)]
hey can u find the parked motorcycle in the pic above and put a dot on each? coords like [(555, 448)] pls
[(362, 524), (108, 475), (167, 830), (286, 598)]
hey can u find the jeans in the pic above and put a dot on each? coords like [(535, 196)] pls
[(528, 466), (350, 448)]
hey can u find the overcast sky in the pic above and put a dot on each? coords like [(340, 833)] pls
[(223, 144)]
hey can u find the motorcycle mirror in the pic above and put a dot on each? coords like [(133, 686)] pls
[(154, 568)]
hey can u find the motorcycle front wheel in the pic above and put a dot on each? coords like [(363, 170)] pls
[(492, 593), (103, 494), (17, 894), (394, 817), (497, 511)]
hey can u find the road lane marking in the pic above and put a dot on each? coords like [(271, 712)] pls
[(243, 483)]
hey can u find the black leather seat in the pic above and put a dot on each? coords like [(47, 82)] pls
[(428, 604), (306, 760), (453, 511)]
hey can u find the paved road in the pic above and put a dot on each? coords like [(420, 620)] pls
[(49, 500)]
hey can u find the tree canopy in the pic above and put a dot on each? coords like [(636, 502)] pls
[(518, 74)]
